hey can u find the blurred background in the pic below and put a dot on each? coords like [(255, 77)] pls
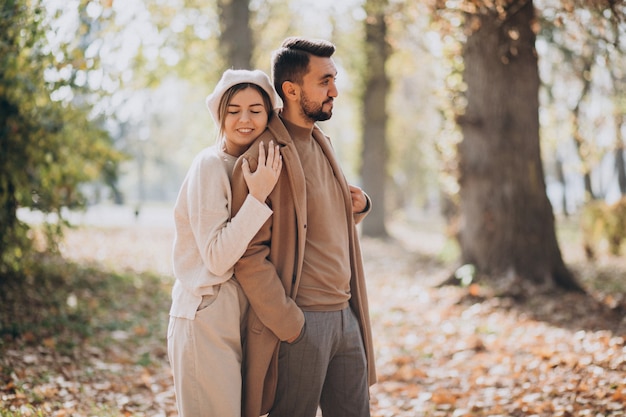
[(489, 135), (102, 102)]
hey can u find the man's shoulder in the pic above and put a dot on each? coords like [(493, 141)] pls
[(276, 128), (275, 131)]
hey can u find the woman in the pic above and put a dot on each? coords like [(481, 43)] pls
[(208, 305)]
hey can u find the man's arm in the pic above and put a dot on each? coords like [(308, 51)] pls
[(256, 274)]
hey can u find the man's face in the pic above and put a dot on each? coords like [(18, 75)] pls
[(319, 89)]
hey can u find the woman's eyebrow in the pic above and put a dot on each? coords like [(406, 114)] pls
[(250, 105)]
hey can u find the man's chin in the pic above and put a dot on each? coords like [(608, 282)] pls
[(324, 116)]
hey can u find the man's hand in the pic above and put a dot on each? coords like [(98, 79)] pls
[(359, 201), (262, 181)]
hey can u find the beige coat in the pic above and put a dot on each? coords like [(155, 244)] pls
[(270, 270)]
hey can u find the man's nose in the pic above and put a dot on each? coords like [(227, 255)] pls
[(332, 91)]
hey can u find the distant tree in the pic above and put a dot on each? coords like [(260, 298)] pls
[(47, 148), (616, 61), (584, 45), (236, 35), (374, 119)]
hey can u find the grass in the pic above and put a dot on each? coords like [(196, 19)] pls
[(67, 327), (63, 304)]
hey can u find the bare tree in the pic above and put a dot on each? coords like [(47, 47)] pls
[(236, 37)]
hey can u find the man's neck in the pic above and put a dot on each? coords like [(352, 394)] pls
[(296, 132), (294, 116)]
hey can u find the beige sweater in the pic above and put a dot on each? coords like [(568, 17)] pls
[(207, 241)]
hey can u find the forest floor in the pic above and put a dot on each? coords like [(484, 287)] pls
[(440, 351)]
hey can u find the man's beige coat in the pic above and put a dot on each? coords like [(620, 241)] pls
[(270, 270)]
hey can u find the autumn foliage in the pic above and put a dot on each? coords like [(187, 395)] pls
[(441, 351)]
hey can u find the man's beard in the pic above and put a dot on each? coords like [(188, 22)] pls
[(314, 111)]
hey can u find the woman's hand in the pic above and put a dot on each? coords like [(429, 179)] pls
[(262, 181)]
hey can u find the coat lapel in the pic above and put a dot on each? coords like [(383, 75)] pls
[(297, 185), (329, 152)]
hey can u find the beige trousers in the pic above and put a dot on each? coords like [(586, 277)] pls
[(205, 355)]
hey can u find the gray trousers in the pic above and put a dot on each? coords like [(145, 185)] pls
[(326, 367)]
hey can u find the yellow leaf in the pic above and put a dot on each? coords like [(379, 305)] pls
[(49, 342), (443, 397)]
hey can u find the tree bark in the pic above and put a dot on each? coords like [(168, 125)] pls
[(376, 86), (236, 38), (507, 223)]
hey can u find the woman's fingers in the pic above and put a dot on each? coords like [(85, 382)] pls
[(270, 153), (272, 160), (262, 153)]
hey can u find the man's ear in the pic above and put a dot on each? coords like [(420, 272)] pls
[(290, 90)]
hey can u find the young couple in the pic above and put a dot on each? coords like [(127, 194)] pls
[(270, 311)]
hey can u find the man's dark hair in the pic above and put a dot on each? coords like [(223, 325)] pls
[(291, 61)]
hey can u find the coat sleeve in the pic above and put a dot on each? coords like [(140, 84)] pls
[(256, 274)]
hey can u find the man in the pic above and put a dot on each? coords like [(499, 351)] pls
[(309, 339)]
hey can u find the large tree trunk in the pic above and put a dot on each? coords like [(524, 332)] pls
[(507, 223), (236, 36), (376, 85)]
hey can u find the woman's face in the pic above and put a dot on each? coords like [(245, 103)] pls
[(245, 119)]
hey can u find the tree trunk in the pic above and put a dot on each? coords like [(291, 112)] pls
[(376, 85), (507, 223), (236, 38)]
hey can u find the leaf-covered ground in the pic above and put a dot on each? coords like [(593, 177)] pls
[(441, 351)]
